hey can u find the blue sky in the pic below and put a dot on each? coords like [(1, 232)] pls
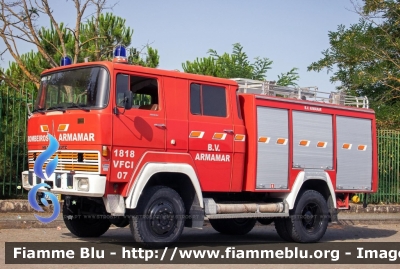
[(292, 33)]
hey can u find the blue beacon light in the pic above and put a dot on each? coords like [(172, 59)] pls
[(66, 60), (120, 54)]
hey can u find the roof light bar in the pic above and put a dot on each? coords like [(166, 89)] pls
[(66, 60), (120, 54)]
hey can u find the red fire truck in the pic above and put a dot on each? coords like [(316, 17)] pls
[(162, 150)]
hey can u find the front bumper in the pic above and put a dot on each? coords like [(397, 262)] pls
[(68, 184)]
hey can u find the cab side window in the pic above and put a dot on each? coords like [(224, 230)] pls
[(207, 100), (144, 91), (122, 89)]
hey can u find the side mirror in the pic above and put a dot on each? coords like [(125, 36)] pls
[(128, 100)]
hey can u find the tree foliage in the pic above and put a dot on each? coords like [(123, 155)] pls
[(94, 39), (289, 78), (235, 65), (152, 58), (365, 58)]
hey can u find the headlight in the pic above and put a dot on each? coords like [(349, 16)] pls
[(83, 184), (25, 180)]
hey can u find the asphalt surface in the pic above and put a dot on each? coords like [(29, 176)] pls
[(27, 220), (376, 223), (260, 233), (388, 233)]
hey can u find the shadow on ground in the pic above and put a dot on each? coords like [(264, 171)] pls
[(260, 234)]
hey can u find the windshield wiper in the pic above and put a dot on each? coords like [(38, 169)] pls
[(59, 108), (40, 110), (78, 106)]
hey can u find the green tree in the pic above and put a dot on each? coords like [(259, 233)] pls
[(235, 65), (18, 21), (365, 58), (99, 36), (152, 59), (289, 78), (94, 39)]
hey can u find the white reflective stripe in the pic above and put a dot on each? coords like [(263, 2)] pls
[(150, 169), (264, 139), (44, 128), (66, 126), (219, 136), (240, 137), (196, 134), (304, 143), (281, 141)]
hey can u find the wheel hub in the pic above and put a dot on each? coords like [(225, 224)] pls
[(162, 218), (311, 217)]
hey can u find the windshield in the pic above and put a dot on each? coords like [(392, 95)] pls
[(84, 88)]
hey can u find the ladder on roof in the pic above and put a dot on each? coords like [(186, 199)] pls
[(301, 93)]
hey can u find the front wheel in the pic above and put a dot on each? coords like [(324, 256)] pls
[(233, 226), (84, 225), (309, 218), (120, 221), (158, 219), (265, 221)]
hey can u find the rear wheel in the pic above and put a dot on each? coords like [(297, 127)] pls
[(233, 226), (158, 219), (309, 218)]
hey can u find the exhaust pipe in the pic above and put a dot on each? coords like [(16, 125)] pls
[(250, 208)]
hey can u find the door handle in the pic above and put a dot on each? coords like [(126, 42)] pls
[(160, 125), (229, 131)]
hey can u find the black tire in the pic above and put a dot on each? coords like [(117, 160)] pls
[(158, 219), (281, 227), (233, 226), (309, 218), (120, 221), (80, 226), (265, 221)]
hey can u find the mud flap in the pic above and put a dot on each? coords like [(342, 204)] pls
[(333, 212)]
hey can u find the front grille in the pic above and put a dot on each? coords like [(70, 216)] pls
[(70, 181), (50, 183), (30, 178), (58, 180), (77, 161)]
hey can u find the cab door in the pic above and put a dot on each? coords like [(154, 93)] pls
[(211, 135), (138, 129)]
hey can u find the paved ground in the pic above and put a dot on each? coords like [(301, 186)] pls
[(336, 233), (11, 220), (373, 224), (261, 233)]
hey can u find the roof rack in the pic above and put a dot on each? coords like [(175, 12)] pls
[(301, 93)]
